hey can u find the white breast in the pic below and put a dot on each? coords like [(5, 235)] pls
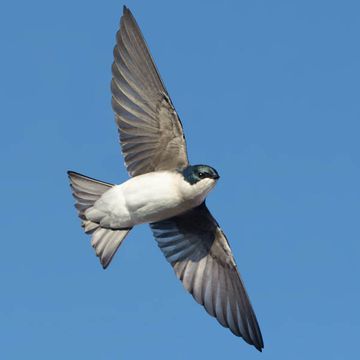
[(148, 198)]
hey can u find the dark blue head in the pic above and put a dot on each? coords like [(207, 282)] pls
[(194, 173)]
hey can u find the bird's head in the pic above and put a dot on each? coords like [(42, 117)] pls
[(194, 174)]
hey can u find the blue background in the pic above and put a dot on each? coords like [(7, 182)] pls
[(268, 92)]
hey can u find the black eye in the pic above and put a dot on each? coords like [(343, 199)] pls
[(201, 175)]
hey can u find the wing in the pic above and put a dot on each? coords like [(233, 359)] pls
[(199, 252), (151, 133)]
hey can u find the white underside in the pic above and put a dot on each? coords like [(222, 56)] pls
[(147, 198)]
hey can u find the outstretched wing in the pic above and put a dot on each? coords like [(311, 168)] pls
[(199, 252), (151, 133)]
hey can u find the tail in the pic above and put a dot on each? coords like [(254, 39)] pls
[(105, 241)]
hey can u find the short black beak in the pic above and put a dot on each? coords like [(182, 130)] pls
[(216, 177)]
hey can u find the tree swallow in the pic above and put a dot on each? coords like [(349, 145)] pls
[(164, 190)]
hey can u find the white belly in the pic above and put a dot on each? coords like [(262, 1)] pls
[(147, 198), (153, 197)]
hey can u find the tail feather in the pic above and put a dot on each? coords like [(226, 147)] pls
[(89, 226), (106, 242), (86, 192)]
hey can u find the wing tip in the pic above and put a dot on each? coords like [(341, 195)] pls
[(258, 343), (260, 346), (126, 11)]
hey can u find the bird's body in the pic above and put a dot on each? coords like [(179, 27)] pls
[(148, 198), (164, 190)]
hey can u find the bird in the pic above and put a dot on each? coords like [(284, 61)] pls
[(163, 190)]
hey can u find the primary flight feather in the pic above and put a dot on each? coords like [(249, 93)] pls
[(164, 190)]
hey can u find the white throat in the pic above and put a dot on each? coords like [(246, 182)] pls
[(196, 193)]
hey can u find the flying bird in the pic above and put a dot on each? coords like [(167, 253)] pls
[(164, 190)]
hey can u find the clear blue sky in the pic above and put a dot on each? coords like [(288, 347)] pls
[(268, 92)]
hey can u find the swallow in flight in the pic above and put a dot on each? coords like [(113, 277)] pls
[(164, 190)]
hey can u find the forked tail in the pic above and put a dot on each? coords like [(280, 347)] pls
[(86, 191)]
